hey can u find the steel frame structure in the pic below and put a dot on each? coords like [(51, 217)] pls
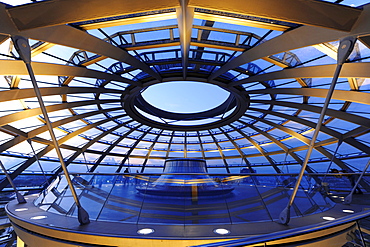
[(107, 68)]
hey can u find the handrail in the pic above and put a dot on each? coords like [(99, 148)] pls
[(221, 174), (289, 233)]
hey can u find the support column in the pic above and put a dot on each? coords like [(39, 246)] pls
[(24, 50), (185, 16), (345, 48)]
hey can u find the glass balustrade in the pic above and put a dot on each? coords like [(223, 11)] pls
[(188, 198)]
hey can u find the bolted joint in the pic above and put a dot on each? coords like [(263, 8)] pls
[(23, 48)]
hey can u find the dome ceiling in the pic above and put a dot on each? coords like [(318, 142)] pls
[(93, 62)]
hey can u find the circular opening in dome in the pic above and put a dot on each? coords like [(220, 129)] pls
[(185, 96)]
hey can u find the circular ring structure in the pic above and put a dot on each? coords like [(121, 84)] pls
[(228, 111)]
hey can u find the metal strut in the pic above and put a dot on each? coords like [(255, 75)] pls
[(24, 50), (345, 48), (19, 196), (348, 198), (38, 162)]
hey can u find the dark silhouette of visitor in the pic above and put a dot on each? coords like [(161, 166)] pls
[(126, 177)]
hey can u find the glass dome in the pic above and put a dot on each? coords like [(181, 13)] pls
[(92, 68), (76, 121)]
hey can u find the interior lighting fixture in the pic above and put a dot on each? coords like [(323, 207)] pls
[(221, 231), (145, 231), (348, 211), (39, 217), (21, 209), (328, 218)]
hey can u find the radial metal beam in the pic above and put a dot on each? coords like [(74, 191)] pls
[(14, 67), (7, 27), (36, 111), (185, 145), (299, 120), (259, 148), (80, 40), (58, 12), (22, 136), (94, 141), (17, 94), (30, 161), (352, 96), (25, 165), (231, 19), (169, 145), (321, 71), (299, 136), (346, 137), (332, 52), (274, 140), (219, 148), (185, 17), (201, 145), (318, 147), (71, 119), (316, 13), (352, 118), (309, 108), (111, 147), (40, 47), (72, 37), (337, 135), (267, 135), (236, 146), (151, 148), (127, 155), (50, 147), (10, 130), (89, 127), (54, 13), (327, 49), (297, 38), (128, 20), (69, 36), (33, 133)]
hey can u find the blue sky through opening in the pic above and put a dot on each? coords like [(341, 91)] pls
[(185, 96)]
